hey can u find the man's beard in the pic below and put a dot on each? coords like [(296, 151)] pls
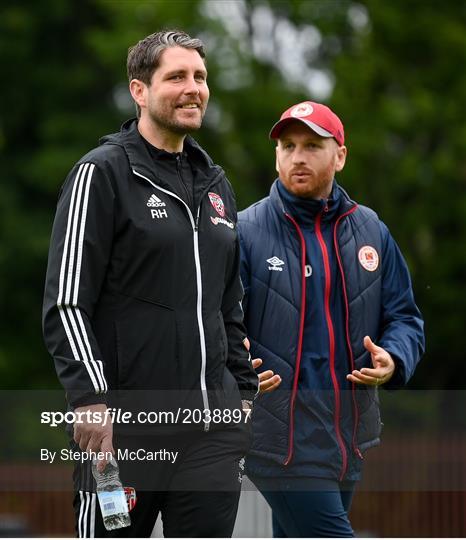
[(168, 123)]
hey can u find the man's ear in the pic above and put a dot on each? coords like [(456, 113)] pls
[(276, 159), (138, 91), (341, 158)]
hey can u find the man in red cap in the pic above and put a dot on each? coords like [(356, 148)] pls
[(329, 308)]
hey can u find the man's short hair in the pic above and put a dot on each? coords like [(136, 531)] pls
[(144, 57)]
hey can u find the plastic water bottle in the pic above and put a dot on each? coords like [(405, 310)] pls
[(112, 498)]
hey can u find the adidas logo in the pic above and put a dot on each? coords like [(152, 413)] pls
[(155, 202)]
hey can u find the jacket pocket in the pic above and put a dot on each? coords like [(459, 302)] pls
[(370, 424), (146, 345)]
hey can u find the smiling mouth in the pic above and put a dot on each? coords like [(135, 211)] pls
[(189, 106)]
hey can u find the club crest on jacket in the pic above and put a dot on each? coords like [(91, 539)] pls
[(369, 258), (217, 203)]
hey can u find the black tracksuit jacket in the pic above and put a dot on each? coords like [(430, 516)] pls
[(143, 290)]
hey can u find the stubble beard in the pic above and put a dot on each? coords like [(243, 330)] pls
[(322, 182), (165, 121), (314, 188)]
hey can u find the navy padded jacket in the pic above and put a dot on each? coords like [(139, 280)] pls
[(376, 302)]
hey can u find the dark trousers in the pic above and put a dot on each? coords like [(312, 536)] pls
[(197, 495), (308, 508)]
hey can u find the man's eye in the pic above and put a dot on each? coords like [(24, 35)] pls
[(288, 146)]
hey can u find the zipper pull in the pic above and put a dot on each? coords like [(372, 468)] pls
[(358, 453)]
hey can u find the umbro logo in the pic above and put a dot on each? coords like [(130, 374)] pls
[(155, 202), (276, 264)]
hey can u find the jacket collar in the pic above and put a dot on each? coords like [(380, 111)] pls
[(282, 206), (141, 160)]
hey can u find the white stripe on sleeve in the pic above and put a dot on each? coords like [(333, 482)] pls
[(70, 271)]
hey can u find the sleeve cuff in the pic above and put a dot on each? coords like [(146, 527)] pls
[(398, 379), (76, 400)]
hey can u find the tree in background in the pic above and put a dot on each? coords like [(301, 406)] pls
[(393, 71)]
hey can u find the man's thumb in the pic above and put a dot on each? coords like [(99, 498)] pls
[(370, 345), (106, 445)]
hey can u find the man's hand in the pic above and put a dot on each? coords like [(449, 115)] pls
[(383, 369), (268, 381), (94, 436)]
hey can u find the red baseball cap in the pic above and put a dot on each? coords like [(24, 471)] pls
[(316, 116)]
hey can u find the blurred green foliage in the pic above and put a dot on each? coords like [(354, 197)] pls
[(394, 71)]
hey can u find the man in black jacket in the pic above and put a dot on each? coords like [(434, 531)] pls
[(142, 307)]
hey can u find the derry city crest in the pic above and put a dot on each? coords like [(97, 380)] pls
[(217, 203)]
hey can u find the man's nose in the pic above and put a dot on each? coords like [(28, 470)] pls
[(191, 87), (298, 156)]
